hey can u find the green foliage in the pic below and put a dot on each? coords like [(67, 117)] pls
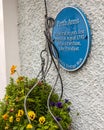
[(12, 116)]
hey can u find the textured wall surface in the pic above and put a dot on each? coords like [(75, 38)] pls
[(85, 87)]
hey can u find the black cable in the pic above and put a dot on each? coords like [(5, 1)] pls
[(46, 14)]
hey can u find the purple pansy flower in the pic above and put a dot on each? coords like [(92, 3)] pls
[(52, 104), (68, 109), (58, 119), (66, 100), (59, 105)]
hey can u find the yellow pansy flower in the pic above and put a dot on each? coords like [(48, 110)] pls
[(11, 119), (29, 126), (13, 69), (41, 119), (20, 113), (18, 119), (31, 115)]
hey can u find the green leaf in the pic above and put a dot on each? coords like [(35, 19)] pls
[(46, 127), (15, 128), (22, 128)]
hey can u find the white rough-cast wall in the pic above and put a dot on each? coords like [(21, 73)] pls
[(85, 87)]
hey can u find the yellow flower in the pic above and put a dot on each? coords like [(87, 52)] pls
[(41, 119), (18, 119), (19, 79), (31, 115), (6, 97), (6, 127), (17, 116), (20, 113), (29, 126), (11, 119), (13, 69), (5, 116)]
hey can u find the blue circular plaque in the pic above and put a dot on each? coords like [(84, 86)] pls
[(71, 36)]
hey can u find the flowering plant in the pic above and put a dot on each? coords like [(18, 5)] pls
[(12, 114)]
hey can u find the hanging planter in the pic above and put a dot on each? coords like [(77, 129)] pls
[(12, 113)]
